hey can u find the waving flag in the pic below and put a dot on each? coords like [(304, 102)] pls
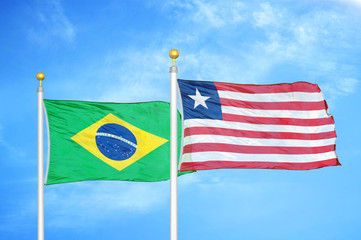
[(108, 141), (282, 126)]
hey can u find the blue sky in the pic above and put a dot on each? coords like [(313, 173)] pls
[(118, 51)]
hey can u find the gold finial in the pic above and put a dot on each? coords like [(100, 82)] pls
[(40, 76), (173, 54)]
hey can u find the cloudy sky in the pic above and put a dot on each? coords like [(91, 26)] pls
[(117, 51)]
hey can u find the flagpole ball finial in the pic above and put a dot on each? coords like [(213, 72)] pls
[(174, 55), (40, 76)]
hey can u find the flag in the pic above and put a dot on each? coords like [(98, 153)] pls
[(108, 141), (282, 126)]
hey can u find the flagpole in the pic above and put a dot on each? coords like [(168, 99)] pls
[(173, 148), (40, 76)]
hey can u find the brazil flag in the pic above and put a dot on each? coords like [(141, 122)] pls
[(108, 141)]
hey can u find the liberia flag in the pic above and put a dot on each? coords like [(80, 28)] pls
[(281, 126)]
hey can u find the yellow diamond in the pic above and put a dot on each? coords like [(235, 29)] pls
[(146, 142)]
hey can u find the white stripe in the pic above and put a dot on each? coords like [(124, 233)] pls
[(257, 127), (257, 141), (310, 114), (239, 157), (116, 137), (273, 97)]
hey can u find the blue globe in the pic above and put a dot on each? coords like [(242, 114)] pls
[(116, 142)]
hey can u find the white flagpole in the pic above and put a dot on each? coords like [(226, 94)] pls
[(173, 148), (40, 76)]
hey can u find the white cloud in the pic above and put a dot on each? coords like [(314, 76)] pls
[(218, 15), (341, 87), (352, 2), (268, 16), (312, 42), (347, 85), (215, 14), (121, 75), (230, 196), (188, 180), (135, 76), (338, 87), (282, 37), (52, 24), (306, 41), (87, 204), (13, 151)]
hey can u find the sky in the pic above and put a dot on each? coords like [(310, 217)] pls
[(117, 51)]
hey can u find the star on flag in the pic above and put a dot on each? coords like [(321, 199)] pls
[(199, 99)]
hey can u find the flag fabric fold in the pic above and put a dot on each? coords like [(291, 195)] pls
[(281, 126), (108, 141)]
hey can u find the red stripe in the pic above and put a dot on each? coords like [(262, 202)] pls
[(234, 148), (278, 121), (193, 166), (277, 88), (299, 106), (257, 134)]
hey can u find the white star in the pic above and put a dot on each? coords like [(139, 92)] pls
[(199, 99)]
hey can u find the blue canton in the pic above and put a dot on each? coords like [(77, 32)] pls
[(206, 89)]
